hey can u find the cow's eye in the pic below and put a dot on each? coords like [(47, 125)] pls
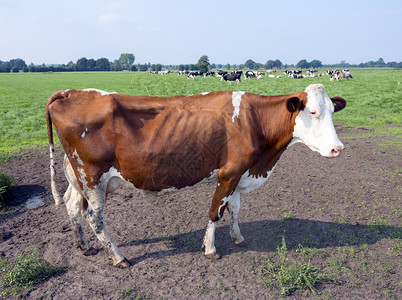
[(314, 114)]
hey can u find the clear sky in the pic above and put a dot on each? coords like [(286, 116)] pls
[(180, 32)]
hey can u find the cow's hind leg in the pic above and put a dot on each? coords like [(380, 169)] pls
[(74, 204), (234, 208), (95, 216)]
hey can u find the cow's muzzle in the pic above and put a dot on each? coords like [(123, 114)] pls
[(336, 150)]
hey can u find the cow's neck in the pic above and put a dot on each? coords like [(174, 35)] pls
[(276, 125)]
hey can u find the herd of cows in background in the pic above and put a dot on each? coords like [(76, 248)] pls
[(236, 75)]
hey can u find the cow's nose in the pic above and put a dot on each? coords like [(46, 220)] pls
[(335, 151)]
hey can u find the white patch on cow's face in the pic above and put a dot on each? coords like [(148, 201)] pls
[(103, 93), (249, 182), (314, 126), (236, 100)]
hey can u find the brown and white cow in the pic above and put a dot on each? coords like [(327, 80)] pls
[(166, 144)]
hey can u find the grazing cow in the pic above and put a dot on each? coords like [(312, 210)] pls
[(249, 74), (345, 74), (157, 144), (221, 73), (232, 77), (334, 75), (209, 73), (192, 75)]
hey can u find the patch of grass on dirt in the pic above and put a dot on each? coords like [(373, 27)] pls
[(132, 293), (6, 182), (289, 277), (26, 270)]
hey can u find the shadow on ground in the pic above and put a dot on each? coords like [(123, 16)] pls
[(266, 236)]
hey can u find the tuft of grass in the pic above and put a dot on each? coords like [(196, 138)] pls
[(201, 289), (6, 182), (132, 293), (28, 269), (289, 277)]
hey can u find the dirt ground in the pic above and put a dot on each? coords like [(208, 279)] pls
[(331, 206)]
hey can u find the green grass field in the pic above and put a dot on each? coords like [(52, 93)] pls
[(374, 97)]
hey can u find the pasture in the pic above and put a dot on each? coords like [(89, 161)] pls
[(337, 220), (374, 96)]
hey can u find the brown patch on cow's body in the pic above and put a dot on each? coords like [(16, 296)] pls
[(171, 142)]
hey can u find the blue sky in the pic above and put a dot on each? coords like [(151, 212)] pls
[(180, 32)]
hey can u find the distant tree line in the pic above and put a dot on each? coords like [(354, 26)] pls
[(126, 63)]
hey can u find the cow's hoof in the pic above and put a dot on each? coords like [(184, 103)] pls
[(123, 264), (213, 256), (241, 244), (89, 251)]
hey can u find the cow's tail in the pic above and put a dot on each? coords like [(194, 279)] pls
[(55, 191)]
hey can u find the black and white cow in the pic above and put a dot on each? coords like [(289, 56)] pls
[(334, 74), (249, 74), (192, 75), (232, 77), (221, 73), (345, 74)]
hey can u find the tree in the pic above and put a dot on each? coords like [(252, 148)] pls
[(193, 67), (143, 68), (18, 63), (258, 66), (303, 64), (103, 64), (203, 64), (315, 64), (156, 67), (269, 64), (277, 63), (81, 64), (126, 60), (91, 64), (250, 64), (380, 62)]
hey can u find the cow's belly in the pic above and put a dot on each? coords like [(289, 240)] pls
[(113, 179), (249, 182)]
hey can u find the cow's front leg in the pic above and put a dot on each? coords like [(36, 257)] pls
[(95, 216), (234, 208), (218, 205), (209, 241)]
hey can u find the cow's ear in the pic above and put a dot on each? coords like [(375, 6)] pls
[(339, 103), (293, 104)]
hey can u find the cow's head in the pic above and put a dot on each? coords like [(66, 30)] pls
[(314, 126)]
